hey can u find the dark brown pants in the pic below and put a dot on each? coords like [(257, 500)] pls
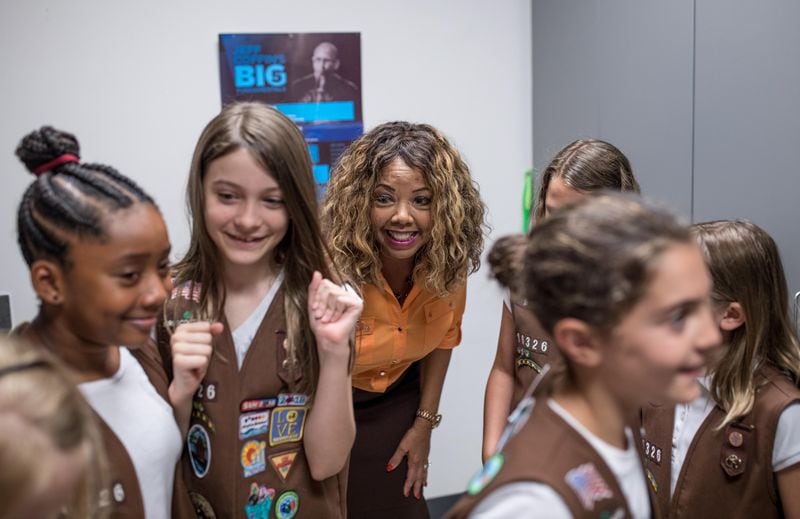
[(381, 421)]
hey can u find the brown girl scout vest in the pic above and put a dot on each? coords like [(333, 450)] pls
[(244, 453), (548, 450), (726, 473), (533, 346), (123, 497)]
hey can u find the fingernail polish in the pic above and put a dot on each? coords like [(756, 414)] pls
[(389, 467)]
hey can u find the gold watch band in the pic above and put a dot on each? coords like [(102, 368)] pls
[(433, 418)]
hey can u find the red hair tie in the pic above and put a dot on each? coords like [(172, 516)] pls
[(61, 159)]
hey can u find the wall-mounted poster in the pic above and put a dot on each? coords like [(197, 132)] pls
[(313, 78)]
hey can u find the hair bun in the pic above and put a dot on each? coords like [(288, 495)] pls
[(507, 258), (46, 149)]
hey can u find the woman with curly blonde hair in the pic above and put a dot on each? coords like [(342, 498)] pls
[(404, 220)]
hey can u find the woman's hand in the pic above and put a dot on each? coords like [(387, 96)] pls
[(415, 447), (332, 312)]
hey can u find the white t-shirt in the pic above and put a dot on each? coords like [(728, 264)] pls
[(243, 335), (144, 423), (689, 417), (531, 500)]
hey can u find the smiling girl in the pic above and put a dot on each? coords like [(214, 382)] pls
[(98, 253), (271, 423)]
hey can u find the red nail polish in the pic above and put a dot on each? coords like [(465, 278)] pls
[(389, 467)]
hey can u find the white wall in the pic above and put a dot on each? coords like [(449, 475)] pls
[(137, 81)]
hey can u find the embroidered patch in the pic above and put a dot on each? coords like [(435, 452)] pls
[(258, 404), (652, 479), (287, 425), (199, 445), (259, 502), (292, 399), (619, 513), (118, 492), (283, 462), (202, 508), (189, 291), (652, 452), (253, 424), (199, 414), (529, 363), (590, 486), (486, 474), (287, 505), (254, 458), (207, 391)]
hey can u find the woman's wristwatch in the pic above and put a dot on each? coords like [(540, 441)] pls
[(434, 419)]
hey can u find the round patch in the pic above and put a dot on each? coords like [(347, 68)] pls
[(202, 508), (736, 439), (487, 474), (287, 505), (199, 445), (118, 492)]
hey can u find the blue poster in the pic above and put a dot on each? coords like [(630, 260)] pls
[(313, 78)]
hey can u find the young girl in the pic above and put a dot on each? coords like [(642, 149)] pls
[(735, 450), (523, 347), (404, 220), (271, 424), (98, 254), (49, 444), (622, 289)]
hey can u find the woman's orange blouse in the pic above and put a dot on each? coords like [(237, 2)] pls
[(390, 338)]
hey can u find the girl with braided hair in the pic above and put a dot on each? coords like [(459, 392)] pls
[(98, 253)]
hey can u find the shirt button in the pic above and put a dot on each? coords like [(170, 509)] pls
[(399, 329), (382, 373)]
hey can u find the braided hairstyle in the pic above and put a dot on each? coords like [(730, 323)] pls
[(68, 198)]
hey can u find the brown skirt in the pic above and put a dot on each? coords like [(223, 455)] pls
[(381, 421)]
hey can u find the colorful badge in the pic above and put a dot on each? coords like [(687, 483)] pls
[(287, 505), (590, 486), (486, 474), (257, 404), (259, 502), (287, 425), (292, 399), (529, 363), (199, 445), (199, 414), (254, 458), (202, 508), (283, 462), (253, 424)]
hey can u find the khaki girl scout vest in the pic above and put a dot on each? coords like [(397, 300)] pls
[(548, 450), (244, 453), (123, 496), (534, 348), (726, 473)]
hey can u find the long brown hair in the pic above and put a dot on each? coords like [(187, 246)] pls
[(456, 242), (278, 146), (746, 268), (587, 165)]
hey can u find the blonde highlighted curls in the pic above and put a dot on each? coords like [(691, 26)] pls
[(746, 267), (456, 239)]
